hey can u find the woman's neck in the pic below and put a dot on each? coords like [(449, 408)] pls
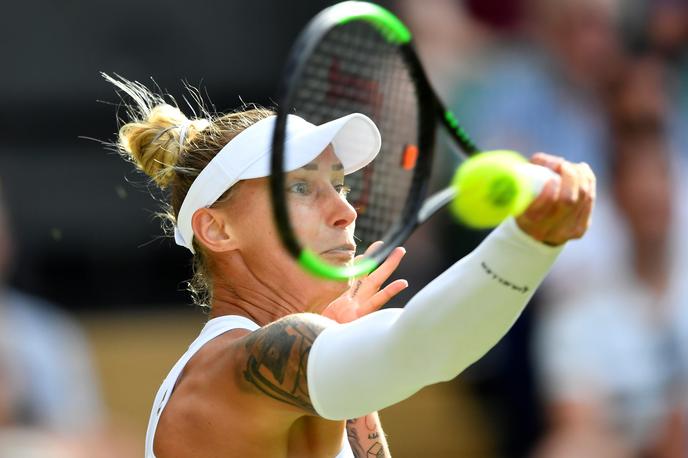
[(262, 308), (238, 289)]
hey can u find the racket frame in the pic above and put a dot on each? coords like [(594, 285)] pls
[(416, 210)]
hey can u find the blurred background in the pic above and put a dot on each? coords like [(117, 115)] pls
[(93, 311)]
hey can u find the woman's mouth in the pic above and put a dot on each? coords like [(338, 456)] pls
[(345, 252)]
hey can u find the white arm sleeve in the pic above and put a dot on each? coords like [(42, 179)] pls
[(383, 358)]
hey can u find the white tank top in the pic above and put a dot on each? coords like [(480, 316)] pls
[(212, 329)]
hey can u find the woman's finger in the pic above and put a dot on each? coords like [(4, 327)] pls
[(583, 217), (574, 211), (372, 247), (370, 284), (382, 297), (591, 180), (380, 275), (568, 196), (547, 160)]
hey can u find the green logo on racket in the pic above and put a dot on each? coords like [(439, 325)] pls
[(387, 23)]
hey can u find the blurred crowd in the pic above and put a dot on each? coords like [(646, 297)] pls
[(50, 400), (605, 82), (598, 367)]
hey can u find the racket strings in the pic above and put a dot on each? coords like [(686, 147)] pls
[(354, 69)]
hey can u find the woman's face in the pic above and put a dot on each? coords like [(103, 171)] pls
[(320, 215), (322, 218)]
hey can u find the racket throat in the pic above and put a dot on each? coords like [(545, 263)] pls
[(435, 202)]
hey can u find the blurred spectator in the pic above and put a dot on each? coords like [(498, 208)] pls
[(637, 104), (612, 345), (46, 379), (667, 27), (527, 75), (542, 92), (447, 38), (667, 35)]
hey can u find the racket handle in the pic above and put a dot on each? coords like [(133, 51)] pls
[(536, 175)]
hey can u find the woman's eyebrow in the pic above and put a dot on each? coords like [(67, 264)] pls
[(314, 166)]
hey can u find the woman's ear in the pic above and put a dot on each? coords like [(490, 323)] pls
[(211, 228)]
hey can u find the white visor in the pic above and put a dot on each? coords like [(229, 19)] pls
[(355, 139)]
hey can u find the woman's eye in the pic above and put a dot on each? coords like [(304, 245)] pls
[(343, 189), (299, 188)]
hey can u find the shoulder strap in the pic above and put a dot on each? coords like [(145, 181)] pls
[(212, 329)]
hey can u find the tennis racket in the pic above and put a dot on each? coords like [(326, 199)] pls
[(358, 57)]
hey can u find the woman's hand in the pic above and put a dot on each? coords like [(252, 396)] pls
[(364, 296), (563, 209)]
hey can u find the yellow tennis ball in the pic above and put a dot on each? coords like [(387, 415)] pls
[(489, 189)]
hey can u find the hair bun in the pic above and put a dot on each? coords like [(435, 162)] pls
[(153, 143)]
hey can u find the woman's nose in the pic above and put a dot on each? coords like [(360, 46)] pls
[(340, 213)]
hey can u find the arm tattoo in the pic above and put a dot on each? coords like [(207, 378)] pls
[(374, 449), (278, 357), (354, 440)]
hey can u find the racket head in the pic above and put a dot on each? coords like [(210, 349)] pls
[(356, 57)]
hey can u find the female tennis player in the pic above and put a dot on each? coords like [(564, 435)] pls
[(294, 366)]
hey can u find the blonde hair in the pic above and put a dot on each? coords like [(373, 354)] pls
[(151, 140)]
